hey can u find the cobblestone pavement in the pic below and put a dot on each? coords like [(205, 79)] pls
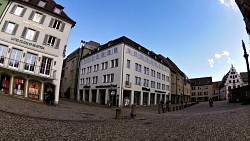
[(26, 120)]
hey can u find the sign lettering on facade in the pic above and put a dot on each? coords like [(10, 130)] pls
[(27, 43)]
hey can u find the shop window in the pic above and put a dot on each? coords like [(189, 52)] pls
[(34, 90), (19, 86), (5, 84)]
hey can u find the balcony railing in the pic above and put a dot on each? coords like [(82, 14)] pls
[(27, 68), (127, 84)]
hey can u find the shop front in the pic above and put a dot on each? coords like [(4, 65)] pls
[(5, 83), (34, 90), (49, 90), (19, 86)]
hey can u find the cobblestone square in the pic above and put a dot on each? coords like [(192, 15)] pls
[(26, 120)]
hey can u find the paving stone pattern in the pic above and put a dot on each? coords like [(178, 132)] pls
[(26, 120)]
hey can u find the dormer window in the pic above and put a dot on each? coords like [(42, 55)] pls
[(57, 10), (42, 3)]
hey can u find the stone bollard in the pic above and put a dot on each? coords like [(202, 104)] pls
[(133, 111), (159, 108), (118, 114)]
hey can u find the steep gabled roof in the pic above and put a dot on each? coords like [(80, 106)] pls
[(49, 7), (201, 81)]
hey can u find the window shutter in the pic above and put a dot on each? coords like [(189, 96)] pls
[(15, 29), (24, 10), (62, 28), (36, 36), (13, 9), (42, 20), (51, 22), (31, 15), (5, 26), (24, 32), (57, 43), (45, 39)]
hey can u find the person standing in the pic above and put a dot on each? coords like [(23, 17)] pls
[(210, 102)]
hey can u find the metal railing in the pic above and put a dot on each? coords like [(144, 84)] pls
[(27, 68), (127, 84)]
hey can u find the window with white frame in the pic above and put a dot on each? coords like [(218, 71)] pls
[(128, 63), (30, 34), (146, 70), (153, 73), (163, 87), (18, 10), (158, 75), (10, 27), (46, 66), (37, 17), (51, 41), (158, 85), (137, 67), (96, 67), (95, 79), (163, 77), (137, 80), (114, 63), (56, 24), (15, 58), (104, 65), (3, 52), (57, 10), (127, 78), (167, 87), (42, 3), (146, 83), (30, 62), (167, 78), (152, 84)]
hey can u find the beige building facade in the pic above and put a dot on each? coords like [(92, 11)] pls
[(33, 40), (70, 70), (202, 89)]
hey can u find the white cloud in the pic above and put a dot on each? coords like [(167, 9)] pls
[(211, 62), (220, 57), (225, 53), (217, 56), (228, 3)]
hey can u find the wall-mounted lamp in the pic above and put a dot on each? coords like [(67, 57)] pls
[(39, 58), (9, 50), (24, 54), (54, 63)]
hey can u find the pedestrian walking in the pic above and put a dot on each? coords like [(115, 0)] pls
[(167, 105), (162, 103), (210, 102)]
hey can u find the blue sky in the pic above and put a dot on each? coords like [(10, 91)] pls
[(203, 37)]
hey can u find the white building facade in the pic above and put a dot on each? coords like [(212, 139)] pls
[(33, 39), (230, 81), (122, 72)]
